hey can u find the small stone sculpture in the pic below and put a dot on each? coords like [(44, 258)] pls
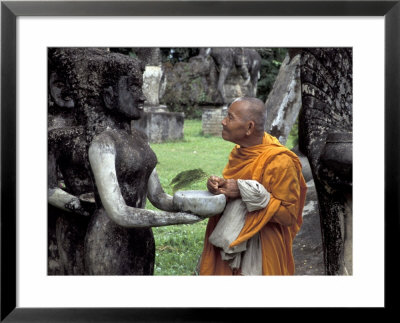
[(247, 61)]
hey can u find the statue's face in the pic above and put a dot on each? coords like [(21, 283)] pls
[(60, 91), (126, 97)]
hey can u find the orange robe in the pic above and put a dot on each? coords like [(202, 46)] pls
[(279, 170)]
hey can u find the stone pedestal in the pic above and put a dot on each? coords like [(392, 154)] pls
[(211, 120), (160, 125)]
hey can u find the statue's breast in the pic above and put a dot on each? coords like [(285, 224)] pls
[(135, 161)]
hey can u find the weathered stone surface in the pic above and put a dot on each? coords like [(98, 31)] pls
[(211, 120), (284, 100), (202, 203), (235, 63), (151, 84), (160, 126), (190, 83), (306, 169), (96, 90), (327, 100), (150, 56), (195, 83)]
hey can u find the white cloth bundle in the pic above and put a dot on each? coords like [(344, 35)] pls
[(246, 255), (254, 194)]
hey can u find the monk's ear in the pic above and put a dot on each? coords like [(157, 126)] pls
[(250, 127)]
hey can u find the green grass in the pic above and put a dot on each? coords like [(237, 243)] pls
[(178, 247), (196, 151)]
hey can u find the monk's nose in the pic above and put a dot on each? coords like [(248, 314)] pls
[(223, 122)]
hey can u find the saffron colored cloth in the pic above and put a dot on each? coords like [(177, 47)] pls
[(279, 170)]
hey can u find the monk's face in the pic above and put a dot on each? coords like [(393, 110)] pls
[(234, 125)]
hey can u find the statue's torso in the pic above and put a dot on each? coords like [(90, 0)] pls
[(124, 251), (134, 163)]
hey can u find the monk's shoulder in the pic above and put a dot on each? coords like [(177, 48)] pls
[(280, 161)]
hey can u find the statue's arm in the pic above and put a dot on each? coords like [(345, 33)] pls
[(56, 196), (102, 156), (156, 194)]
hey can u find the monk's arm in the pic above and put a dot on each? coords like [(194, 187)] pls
[(285, 187)]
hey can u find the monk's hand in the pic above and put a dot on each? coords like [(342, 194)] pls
[(214, 183), (230, 189)]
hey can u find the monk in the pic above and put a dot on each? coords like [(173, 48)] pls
[(257, 158)]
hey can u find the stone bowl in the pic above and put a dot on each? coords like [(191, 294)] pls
[(201, 203)]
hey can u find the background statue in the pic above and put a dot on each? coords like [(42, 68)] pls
[(246, 61), (325, 137), (96, 154)]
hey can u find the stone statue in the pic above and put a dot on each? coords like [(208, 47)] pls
[(246, 61), (93, 96), (325, 137)]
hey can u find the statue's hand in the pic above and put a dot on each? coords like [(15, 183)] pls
[(199, 203), (75, 206)]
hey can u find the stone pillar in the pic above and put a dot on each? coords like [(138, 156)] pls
[(211, 120), (151, 57), (151, 85), (157, 122)]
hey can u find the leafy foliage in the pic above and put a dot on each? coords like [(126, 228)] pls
[(293, 138), (187, 177), (271, 60)]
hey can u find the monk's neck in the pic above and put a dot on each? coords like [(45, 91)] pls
[(252, 141)]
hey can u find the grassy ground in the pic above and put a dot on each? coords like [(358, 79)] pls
[(178, 247)]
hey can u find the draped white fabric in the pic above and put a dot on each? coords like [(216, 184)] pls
[(246, 255)]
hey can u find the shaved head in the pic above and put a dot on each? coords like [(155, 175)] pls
[(255, 110)]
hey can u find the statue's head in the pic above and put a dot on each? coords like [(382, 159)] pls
[(95, 79), (122, 85)]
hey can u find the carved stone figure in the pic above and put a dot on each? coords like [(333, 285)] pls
[(93, 96), (284, 100), (246, 61), (325, 137), (190, 84)]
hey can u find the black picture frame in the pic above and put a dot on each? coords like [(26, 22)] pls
[(10, 10)]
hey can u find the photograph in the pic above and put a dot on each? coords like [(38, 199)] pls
[(155, 152), (190, 161)]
